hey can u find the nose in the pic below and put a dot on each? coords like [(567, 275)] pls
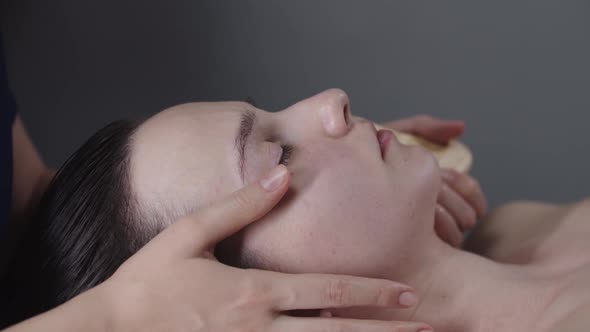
[(333, 107)]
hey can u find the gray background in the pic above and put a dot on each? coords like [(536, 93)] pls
[(517, 71)]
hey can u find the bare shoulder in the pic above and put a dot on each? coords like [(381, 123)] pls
[(513, 228)]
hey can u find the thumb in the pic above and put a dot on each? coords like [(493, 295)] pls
[(428, 127), (198, 232), (439, 131)]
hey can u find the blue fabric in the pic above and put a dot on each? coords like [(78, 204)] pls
[(7, 115)]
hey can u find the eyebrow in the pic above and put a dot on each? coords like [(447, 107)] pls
[(247, 120)]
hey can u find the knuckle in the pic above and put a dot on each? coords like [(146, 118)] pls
[(192, 225), (385, 296), (289, 299), (456, 178), (445, 222), (287, 296), (470, 217), (454, 172), (337, 292), (448, 189), (471, 186), (253, 293), (242, 199), (457, 239)]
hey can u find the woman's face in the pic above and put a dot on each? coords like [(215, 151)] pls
[(350, 208)]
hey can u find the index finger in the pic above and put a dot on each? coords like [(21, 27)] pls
[(319, 291), (468, 188)]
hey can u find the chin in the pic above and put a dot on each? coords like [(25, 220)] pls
[(426, 172)]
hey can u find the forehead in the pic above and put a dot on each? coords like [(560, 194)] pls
[(184, 157)]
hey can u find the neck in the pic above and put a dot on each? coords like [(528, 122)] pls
[(465, 292), (460, 291)]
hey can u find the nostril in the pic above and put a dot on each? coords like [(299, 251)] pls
[(333, 109), (347, 115)]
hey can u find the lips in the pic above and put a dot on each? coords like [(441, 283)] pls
[(384, 137)]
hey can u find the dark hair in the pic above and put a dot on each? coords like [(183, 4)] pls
[(86, 226)]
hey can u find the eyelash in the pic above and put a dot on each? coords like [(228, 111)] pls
[(286, 154)]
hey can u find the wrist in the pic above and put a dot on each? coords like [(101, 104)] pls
[(98, 307), (120, 307)]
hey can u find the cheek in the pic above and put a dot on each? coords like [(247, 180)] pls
[(346, 214), (342, 221), (353, 225)]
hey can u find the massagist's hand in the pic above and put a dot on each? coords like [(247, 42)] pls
[(174, 283), (461, 201)]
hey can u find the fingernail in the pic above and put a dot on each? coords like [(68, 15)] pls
[(407, 299), (426, 330), (274, 179)]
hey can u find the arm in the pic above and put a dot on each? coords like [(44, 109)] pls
[(30, 179), (31, 176)]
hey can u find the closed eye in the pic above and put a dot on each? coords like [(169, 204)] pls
[(286, 154)]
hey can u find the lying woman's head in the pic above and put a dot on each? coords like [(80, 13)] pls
[(350, 208)]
